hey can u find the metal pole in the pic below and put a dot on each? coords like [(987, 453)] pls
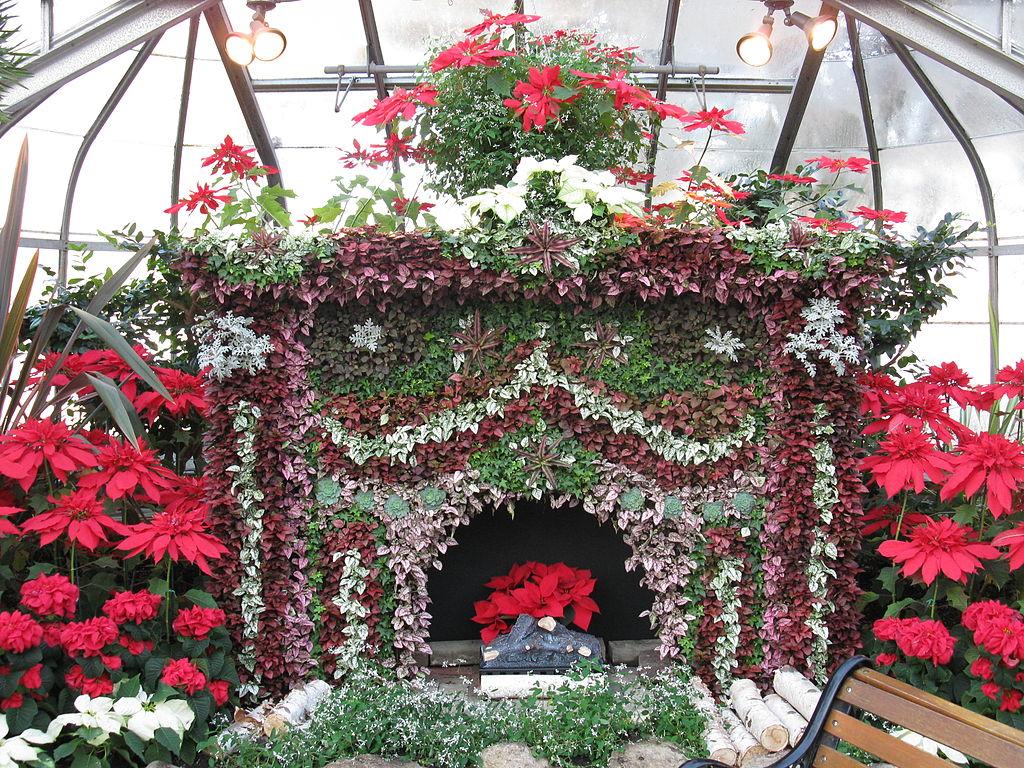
[(45, 25), (668, 44), (87, 141), (186, 92), (860, 76)]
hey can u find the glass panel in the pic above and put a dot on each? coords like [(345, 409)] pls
[(707, 33), (981, 112), (969, 302), (1011, 343), (409, 29), (929, 180), (1017, 24), (967, 344), (833, 117), (983, 14), (320, 33), (1004, 164), (627, 23), (903, 115), (50, 156), (1011, 277), (28, 16), (213, 110), (68, 14)]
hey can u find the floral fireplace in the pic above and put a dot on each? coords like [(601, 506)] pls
[(373, 393)]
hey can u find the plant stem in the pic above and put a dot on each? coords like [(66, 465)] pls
[(71, 566), (899, 520), (167, 603)]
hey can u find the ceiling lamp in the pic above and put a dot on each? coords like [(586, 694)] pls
[(755, 48), (262, 42)]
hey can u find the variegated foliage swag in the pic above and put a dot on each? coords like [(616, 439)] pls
[(676, 393)]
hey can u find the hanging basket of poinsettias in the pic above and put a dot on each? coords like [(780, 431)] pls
[(537, 589)]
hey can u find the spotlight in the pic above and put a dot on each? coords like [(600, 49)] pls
[(755, 48), (820, 30), (262, 42)]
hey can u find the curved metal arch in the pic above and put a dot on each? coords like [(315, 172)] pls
[(87, 141), (867, 114), (980, 174), (186, 92)]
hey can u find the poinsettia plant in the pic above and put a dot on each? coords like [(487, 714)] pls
[(948, 463), (537, 589)]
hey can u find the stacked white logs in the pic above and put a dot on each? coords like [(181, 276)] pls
[(753, 729), (269, 718)]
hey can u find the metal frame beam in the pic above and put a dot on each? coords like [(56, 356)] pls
[(241, 84), (975, 56), (867, 114), (122, 26), (668, 47), (798, 103), (984, 186), (87, 141), (186, 93)]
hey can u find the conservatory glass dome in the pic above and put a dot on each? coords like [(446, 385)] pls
[(125, 98)]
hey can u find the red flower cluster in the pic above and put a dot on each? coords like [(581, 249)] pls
[(838, 164), (535, 100), (178, 535), (132, 607), (939, 546), (998, 632), (25, 449), (402, 103), (19, 632), (182, 673), (885, 215), (925, 639), (235, 160), (470, 53), (500, 20), (50, 596), (538, 590), (197, 622)]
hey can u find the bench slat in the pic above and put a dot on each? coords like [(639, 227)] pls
[(937, 725), (830, 758), (880, 743), (935, 704)]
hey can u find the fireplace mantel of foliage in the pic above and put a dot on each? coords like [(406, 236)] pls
[(373, 392)]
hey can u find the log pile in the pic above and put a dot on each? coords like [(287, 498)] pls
[(752, 729), (271, 718)]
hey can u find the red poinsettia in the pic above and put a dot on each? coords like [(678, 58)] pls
[(837, 164), (886, 216), (831, 225), (535, 100), (182, 673), (1010, 383), (187, 391), (470, 53), (904, 460), (80, 516), (939, 546), (188, 495), (874, 386), (792, 178), (7, 528), (712, 119), (235, 160), (402, 103), (626, 94), (951, 382), (176, 535), (499, 20), (538, 590), (990, 460), (25, 449), (205, 198), (124, 468), (891, 518), (1013, 540), (915, 406)]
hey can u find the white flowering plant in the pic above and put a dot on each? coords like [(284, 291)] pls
[(577, 209)]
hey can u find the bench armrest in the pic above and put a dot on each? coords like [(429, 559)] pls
[(703, 763)]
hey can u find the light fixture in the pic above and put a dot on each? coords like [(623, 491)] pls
[(819, 30), (755, 48), (262, 42)]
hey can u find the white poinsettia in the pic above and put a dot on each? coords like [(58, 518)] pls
[(929, 745), (580, 188), (530, 167), (143, 716), (505, 202), (19, 750), (93, 713)]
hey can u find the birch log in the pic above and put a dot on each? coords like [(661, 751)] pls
[(716, 738), (747, 747), (759, 720), (800, 692), (295, 708), (789, 717)]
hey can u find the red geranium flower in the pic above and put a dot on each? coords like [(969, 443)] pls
[(713, 119), (951, 381), (14, 701), (886, 216), (205, 198), (536, 101), (1011, 700), (78, 515), (984, 611), (133, 646), (24, 449), (32, 678), (89, 637), (926, 639), (197, 621), (903, 460), (886, 659), (939, 546), (792, 178), (187, 391), (991, 460), (982, 667), (182, 673), (1010, 383), (124, 468), (19, 632), (499, 20), (470, 53), (135, 607), (402, 103), (1002, 635), (1013, 540), (98, 686), (887, 518), (176, 535), (50, 596), (914, 407), (219, 689), (888, 628), (837, 164), (991, 690)]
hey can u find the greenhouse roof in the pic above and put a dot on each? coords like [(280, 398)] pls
[(125, 98)]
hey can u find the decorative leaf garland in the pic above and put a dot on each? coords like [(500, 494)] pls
[(823, 552)]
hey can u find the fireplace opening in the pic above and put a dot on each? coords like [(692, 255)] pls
[(493, 542)]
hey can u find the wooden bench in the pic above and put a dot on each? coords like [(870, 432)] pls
[(856, 689)]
